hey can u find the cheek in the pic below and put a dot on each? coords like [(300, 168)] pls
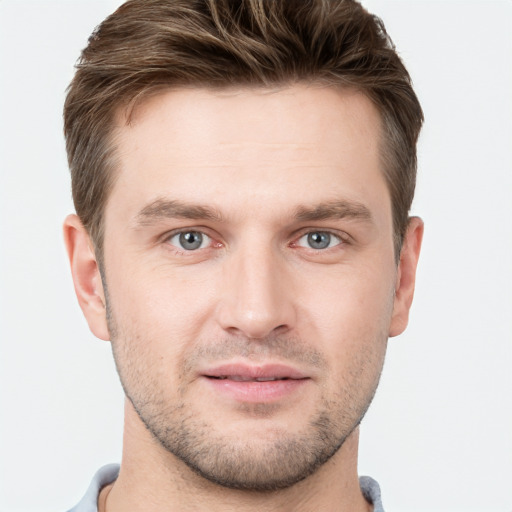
[(141, 287), (350, 300), (154, 325), (162, 312), (350, 316), (353, 330)]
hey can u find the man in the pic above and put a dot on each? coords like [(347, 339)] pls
[(242, 174)]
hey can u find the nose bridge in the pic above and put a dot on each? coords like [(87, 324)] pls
[(257, 298)]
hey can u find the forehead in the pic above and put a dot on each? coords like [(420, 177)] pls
[(313, 115), (273, 144)]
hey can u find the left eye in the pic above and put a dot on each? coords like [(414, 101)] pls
[(319, 240), (190, 240)]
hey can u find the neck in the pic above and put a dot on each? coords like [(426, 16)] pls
[(153, 479)]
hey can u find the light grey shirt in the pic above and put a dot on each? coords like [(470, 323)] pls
[(107, 474)]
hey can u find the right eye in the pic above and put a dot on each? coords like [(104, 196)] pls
[(190, 240)]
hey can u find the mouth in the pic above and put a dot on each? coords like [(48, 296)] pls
[(247, 383), (260, 373), (240, 378)]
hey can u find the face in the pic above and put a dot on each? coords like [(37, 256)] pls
[(250, 276)]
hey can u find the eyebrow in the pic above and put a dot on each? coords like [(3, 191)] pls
[(161, 209), (335, 210)]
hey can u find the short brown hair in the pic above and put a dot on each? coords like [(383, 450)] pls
[(150, 45)]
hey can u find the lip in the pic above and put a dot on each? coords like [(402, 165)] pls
[(253, 372), (254, 383)]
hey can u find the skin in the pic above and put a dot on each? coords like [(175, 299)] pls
[(256, 172)]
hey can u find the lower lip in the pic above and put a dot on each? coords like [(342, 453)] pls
[(254, 391)]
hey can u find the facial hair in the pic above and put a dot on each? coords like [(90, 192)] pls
[(280, 460)]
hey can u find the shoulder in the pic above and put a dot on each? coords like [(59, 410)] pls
[(104, 476), (371, 491)]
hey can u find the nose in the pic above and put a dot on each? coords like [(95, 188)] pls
[(257, 296)]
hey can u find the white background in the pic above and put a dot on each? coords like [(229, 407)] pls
[(439, 434)]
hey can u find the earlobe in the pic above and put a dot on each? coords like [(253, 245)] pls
[(86, 276), (406, 276)]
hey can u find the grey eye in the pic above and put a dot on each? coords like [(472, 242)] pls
[(190, 240), (319, 240)]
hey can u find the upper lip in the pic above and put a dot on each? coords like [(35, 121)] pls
[(254, 372)]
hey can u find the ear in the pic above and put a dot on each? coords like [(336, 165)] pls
[(86, 276), (406, 276)]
